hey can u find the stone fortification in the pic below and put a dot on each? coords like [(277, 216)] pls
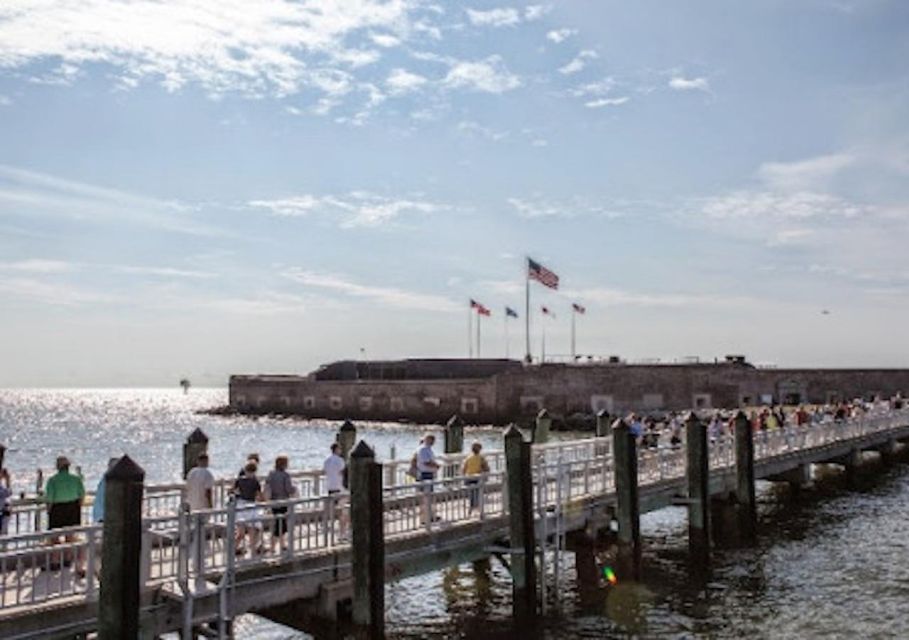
[(500, 391)]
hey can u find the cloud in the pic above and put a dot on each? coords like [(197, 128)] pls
[(560, 35), (500, 17), (489, 75), (401, 81), (609, 297), (472, 128), (274, 47), (49, 293), (679, 83), (579, 62), (810, 174), (536, 11), (384, 295), (356, 209), (23, 191), (539, 207), (606, 102), (745, 204), (38, 265), (163, 272), (5, 101), (267, 304)]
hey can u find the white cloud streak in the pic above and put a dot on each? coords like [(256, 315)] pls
[(489, 75), (579, 62), (387, 296), (499, 17), (559, 36), (680, 83), (356, 209)]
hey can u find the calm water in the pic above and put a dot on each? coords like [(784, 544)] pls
[(831, 562)]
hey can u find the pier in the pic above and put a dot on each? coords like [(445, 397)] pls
[(189, 577)]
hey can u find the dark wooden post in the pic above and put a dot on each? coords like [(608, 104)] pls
[(521, 532), (368, 542), (541, 427), (604, 429), (454, 435), (744, 478), (347, 436), (628, 511), (196, 444), (698, 473), (2, 455), (118, 607)]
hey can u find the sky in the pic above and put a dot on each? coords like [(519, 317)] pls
[(207, 187)]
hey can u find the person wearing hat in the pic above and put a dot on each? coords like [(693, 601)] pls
[(64, 494)]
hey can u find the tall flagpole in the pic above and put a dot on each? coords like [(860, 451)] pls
[(543, 347), (479, 315), (506, 335), (573, 314), (529, 358), (469, 332)]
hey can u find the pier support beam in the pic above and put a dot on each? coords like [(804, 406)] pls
[(196, 444), (118, 607), (520, 527), (744, 479), (604, 428), (698, 474), (454, 435), (2, 455), (542, 427), (888, 452), (628, 514), (368, 543), (851, 463), (798, 478)]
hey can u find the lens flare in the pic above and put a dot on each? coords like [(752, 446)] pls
[(610, 576)]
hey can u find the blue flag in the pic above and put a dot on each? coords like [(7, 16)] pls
[(510, 313)]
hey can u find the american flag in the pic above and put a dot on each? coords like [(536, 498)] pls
[(510, 313), (481, 310), (547, 312), (578, 308), (536, 271)]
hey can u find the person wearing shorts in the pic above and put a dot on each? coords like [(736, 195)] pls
[(279, 486), (64, 494)]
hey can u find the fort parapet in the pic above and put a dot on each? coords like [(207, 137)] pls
[(497, 391)]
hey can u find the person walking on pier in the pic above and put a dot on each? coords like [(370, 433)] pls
[(64, 494), (474, 467), (98, 502), (199, 485), (334, 469), (279, 486), (248, 491), (5, 494), (427, 468)]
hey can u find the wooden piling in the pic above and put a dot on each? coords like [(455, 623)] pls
[(454, 435), (542, 427), (628, 513), (744, 478), (604, 427), (118, 607), (521, 531), (196, 444), (698, 474), (367, 543)]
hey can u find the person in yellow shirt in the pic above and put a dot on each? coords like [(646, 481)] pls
[(475, 465)]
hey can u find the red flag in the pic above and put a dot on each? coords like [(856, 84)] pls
[(536, 271), (481, 310), (578, 308)]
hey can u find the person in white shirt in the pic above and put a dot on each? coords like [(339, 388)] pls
[(334, 468), (199, 485), (426, 459)]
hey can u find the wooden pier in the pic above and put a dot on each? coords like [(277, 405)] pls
[(190, 572)]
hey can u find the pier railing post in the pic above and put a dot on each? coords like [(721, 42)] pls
[(698, 474), (196, 444), (118, 607), (542, 427), (367, 543), (628, 514), (521, 532), (2, 455), (744, 478), (604, 427)]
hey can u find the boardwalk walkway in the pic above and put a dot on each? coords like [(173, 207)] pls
[(193, 571)]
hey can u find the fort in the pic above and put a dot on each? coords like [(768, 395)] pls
[(498, 391)]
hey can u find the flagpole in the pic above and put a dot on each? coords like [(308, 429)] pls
[(529, 358), (479, 315), (470, 332), (506, 335), (543, 347), (573, 355)]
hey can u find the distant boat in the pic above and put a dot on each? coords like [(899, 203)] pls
[(185, 384)]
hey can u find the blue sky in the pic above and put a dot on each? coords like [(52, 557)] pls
[(205, 188)]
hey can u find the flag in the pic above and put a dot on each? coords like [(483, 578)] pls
[(510, 313), (578, 308), (547, 312), (536, 271), (481, 310)]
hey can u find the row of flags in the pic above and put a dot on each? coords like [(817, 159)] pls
[(483, 310)]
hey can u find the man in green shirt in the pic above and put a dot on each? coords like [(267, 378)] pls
[(64, 494)]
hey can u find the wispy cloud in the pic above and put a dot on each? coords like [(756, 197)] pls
[(560, 35), (499, 17), (680, 83), (579, 62), (42, 194), (606, 102), (537, 206), (41, 291), (803, 175), (472, 128), (356, 209), (384, 295), (489, 75), (609, 297), (401, 81), (37, 265)]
